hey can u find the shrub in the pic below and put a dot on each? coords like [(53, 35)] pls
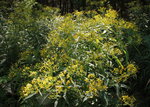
[(84, 63)]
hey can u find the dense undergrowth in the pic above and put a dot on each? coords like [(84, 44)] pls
[(81, 59)]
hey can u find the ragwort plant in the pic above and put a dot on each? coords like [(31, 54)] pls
[(85, 63)]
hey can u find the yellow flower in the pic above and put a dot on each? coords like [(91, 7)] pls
[(68, 82), (115, 51), (77, 13), (65, 72), (91, 76), (97, 17), (61, 74), (68, 76), (131, 68), (59, 89), (28, 85), (128, 100), (86, 80), (50, 78), (111, 14), (58, 82), (25, 91), (97, 41)]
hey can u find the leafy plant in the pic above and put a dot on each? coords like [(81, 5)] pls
[(25, 29), (84, 63), (140, 54)]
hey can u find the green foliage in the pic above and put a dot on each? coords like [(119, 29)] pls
[(84, 63), (96, 4), (140, 15), (5, 7), (140, 54), (81, 59), (24, 29)]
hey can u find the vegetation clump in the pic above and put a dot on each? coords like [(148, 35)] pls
[(79, 59)]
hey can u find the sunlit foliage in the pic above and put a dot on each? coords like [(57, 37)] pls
[(84, 61), (84, 58)]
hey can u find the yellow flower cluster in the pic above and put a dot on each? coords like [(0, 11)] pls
[(94, 85), (110, 48), (78, 13), (117, 71), (131, 68), (127, 100), (122, 74), (111, 14), (37, 84), (25, 91), (115, 51)]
